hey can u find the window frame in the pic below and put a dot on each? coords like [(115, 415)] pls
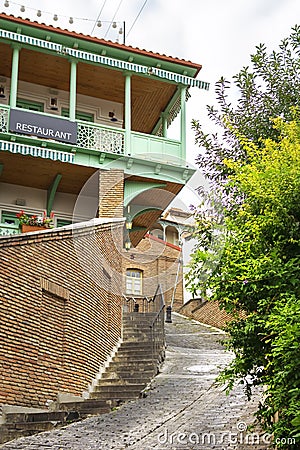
[(134, 281), (30, 105), (11, 216), (79, 115)]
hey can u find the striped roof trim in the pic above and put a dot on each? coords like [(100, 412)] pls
[(40, 152), (93, 39), (104, 60)]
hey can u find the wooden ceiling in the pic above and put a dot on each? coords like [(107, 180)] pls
[(149, 96), (153, 198), (39, 173)]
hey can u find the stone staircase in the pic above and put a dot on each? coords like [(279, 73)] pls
[(135, 364), (19, 421), (137, 361)]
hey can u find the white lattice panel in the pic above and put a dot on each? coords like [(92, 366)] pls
[(3, 120), (96, 138)]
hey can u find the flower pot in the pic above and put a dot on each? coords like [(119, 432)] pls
[(28, 228)]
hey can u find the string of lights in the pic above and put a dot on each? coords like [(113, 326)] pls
[(138, 15), (71, 19), (112, 20), (98, 17)]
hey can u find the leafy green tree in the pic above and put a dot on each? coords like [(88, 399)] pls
[(255, 171), (266, 91), (259, 274)]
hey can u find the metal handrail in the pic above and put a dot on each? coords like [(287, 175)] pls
[(162, 303), (140, 303), (157, 328), (156, 325)]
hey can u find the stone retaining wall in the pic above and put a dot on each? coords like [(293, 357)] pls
[(206, 312)]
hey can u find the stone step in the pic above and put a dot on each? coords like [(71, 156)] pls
[(131, 358), (139, 366), (125, 395), (126, 374), (122, 381), (137, 337), (133, 316), (139, 329), (7, 434), (20, 417), (135, 351), (87, 407), (120, 389), (136, 345), (138, 320), (136, 329), (28, 428)]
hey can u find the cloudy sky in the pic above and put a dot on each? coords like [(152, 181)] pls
[(218, 34)]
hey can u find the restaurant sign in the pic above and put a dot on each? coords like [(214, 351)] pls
[(42, 126)]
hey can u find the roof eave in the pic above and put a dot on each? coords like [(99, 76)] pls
[(114, 45)]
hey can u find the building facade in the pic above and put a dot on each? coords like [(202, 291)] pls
[(83, 135)]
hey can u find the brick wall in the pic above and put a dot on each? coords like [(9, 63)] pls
[(206, 312), (159, 262), (111, 193), (60, 315)]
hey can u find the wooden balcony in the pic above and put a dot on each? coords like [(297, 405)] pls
[(90, 138)]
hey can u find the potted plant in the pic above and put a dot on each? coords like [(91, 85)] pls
[(34, 222)]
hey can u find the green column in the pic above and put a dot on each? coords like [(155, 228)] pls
[(51, 192), (164, 117), (72, 104), (14, 76), (183, 122), (127, 112)]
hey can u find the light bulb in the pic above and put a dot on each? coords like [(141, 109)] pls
[(6, 3), (71, 20), (55, 17), (22, 9), (99, 23), (121, 31), (114, 25), (39, 13)]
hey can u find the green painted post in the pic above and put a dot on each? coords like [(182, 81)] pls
[(14, 76), (52, 191), (183, 122), (164, 116), (72, 104), (127, 112)]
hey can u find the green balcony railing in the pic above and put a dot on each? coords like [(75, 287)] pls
[(8, 229), (156, 148), (102, 138), (98, 137), (4, 112)]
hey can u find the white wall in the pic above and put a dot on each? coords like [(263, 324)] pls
[(98, 107), (35, 198), (36, 202)]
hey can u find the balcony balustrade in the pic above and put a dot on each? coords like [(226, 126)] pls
[(102, 138), (8, 229)]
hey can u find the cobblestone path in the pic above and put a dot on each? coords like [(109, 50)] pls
[(184, 407)]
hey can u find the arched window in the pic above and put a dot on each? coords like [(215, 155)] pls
[(134, 279)]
